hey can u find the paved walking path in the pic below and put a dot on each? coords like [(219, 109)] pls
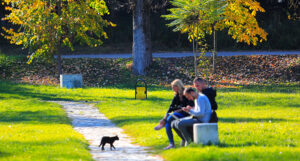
[(182, 54), (92, 124)]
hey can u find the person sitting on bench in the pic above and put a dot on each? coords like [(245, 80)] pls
[(201, 113), (210, 93), (179, 101)]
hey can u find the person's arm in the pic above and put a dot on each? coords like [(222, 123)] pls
[(197, 113), (173, 105), (200, 111)]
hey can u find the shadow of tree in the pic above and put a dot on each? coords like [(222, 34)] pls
[(33, 117), (225, 145), (244, 119), (36, 144), (4, 154), (272, 88), (79, 121), (20, 92), (152, 98), (126, 120)]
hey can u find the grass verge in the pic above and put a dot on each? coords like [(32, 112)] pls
[(31, 129)]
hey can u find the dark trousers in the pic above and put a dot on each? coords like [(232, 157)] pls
[(183, 128)]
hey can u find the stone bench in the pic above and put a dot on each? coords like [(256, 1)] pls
[(71, 80), (206, 133)]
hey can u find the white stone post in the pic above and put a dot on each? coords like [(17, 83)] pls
[(206, 133)]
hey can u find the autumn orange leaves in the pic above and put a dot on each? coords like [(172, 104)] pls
[(239, 18), (47, 26), (201, 17)]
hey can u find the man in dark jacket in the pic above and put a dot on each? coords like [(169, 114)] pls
[(201, 86)]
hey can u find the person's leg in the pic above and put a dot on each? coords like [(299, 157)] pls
[(183, 126), (169, 129), (178, 115), (174, 125)]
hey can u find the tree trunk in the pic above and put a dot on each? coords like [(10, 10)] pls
[(215, 50), (195, 57), (141, 48), (59, 68)]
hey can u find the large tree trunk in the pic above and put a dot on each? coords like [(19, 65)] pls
[(141, 48)]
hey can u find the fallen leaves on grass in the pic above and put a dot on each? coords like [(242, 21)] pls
[(230, 71)]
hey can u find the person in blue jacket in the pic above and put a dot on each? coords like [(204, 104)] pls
[(200, 112)]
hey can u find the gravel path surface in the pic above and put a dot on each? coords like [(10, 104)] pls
[(182, 54), (92, 124)]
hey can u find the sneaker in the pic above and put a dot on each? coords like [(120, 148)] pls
[(171, 146), (158, 127)]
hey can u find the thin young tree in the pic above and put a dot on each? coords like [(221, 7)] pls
[(201, 17), (195, 18), (47, 26)]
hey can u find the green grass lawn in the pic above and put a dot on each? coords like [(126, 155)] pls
[(31, 129), (256, 123)]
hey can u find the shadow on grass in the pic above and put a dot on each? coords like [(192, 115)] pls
[(125, 120), (235, 120), (19, 92), (37, 148), (33, 117), (227, 145), (22, 91), (4, 154), (90, 122), (48, 142), (293, 88), (152, 98)]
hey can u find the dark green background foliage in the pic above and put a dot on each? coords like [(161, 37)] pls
[(283, 33)]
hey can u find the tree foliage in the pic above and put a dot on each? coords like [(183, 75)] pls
[(45, 26), (294, 9), (130, 4), (200, 17), (239, 18)]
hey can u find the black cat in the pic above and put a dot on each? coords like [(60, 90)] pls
[(109, 140)]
